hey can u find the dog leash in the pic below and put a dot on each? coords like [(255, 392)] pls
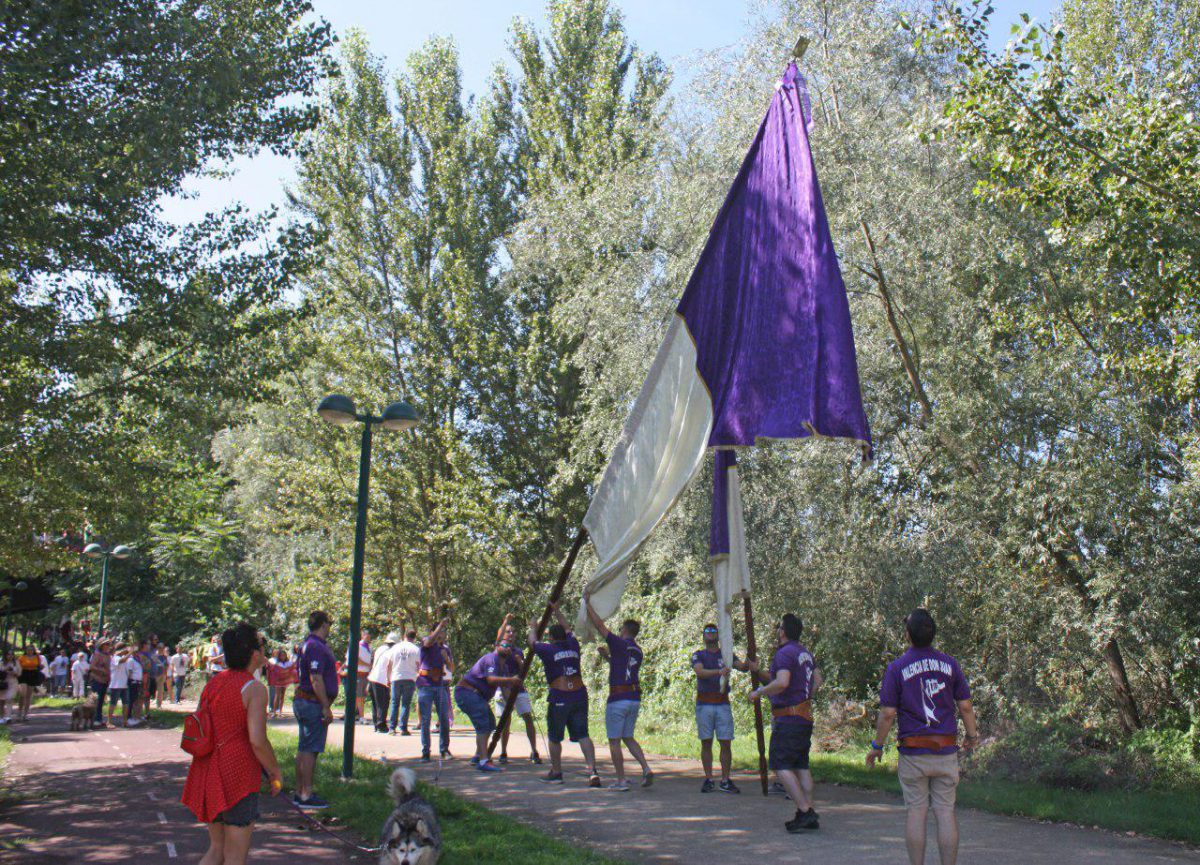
[(330, 832)]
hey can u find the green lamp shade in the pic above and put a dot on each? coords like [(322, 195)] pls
[(94, 551), (121, 552), (400, 416), (337, 409)]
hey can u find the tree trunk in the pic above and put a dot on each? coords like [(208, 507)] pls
[(1127, 710)]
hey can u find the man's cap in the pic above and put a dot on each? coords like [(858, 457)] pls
[(392, 637)]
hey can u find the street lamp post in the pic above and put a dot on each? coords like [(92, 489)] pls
[(95, 551), (339, 410)]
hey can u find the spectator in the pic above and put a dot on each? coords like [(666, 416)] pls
[(79, 669), (405, 661), (59, 668), (280, 673), (178, 666), (99, 676), (118, 682), (8, 683), (29, 678), (158, 683), (313, 707), (216, 658), (222, 787), (136, 673), (379, 680)]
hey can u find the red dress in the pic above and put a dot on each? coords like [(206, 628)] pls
[(219, 781)]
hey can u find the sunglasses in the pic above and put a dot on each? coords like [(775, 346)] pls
[(506, 645), (710, 630)]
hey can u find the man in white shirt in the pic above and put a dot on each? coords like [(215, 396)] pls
[(79, 669), (177, 668), (118, 683), (379, 681), (404, 663)]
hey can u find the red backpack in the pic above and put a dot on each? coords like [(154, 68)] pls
[(198, 739)]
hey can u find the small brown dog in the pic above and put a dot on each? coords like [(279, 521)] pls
[(83, 713)]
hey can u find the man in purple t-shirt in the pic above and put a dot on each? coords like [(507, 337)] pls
[(714, 715), (523, 706), (312, 705), (924, 688), (790, 686), (474, 693), (567, 702), (433, 692), (624, 658)]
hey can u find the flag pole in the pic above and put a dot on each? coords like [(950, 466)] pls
[(555, 594), (752, 655)]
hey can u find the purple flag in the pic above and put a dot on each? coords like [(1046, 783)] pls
[(766, 306)]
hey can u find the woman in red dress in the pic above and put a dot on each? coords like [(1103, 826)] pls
[(222, 787)]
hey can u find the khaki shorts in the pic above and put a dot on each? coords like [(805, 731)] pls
[(926, 777)]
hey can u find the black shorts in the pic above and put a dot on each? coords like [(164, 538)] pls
[(790, 744), (31, 677), (243, 813), (152, 686), (571, 717)]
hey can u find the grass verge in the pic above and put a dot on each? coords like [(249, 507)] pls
[(470, 833), (1160, 813)]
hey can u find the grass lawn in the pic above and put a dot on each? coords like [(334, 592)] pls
[(1160, 813), (470, 833)]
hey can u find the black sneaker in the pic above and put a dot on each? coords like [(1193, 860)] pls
[(405, 733), (425, 758), (708, 786), (803, 822), (535, 759), (594, 781), (503, 760), (446, 755), (727, 786), (551, 778), (312, 803)]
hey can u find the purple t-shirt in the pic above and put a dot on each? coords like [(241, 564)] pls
[(491, 664), (433, 665), (561, 658), (710, 661), (315, 658), (624, 661), (798, 660), (924, 686)]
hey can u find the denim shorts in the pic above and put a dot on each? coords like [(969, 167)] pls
[(312, 726), (476, 707), (714, 719), (243, 813), (571, 718), (620, 717)]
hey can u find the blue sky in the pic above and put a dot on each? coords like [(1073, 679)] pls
[(674, 29)]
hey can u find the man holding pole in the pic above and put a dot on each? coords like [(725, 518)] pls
[(433, 691), (791, 684), (923, 687), (624, 658), (474, 693), (523, 706), (714, 716), (567, 702)]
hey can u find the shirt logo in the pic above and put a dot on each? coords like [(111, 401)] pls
[(930, 688)]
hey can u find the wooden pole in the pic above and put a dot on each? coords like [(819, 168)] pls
[(752, 655), (555, 594)]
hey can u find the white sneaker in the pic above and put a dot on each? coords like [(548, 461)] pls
[(619, 786)]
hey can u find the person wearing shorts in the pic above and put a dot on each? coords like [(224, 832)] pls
[(312, 704), (474, 694), (624, 658), (523, 707), (714, 715), (790, 685), (567, 702), (924, 688)]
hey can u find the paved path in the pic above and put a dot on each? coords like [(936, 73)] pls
[(113, 796), (133, 776)]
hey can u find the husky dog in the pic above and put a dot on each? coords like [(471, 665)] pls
[(411, 835), (83, 713)]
